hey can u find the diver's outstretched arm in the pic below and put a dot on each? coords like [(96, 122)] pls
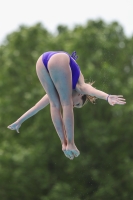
[(32, 111), (112, 99), (85, 88)]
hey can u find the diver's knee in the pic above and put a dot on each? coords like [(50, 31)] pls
[(55, 104), (67, 103)]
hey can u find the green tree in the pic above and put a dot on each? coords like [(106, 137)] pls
[(32, 165)]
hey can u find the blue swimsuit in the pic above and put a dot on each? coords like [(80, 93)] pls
[(75, 69)]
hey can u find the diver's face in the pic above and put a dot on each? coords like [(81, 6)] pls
[(77, 100)]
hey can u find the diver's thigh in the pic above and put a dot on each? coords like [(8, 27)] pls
[(47, 83), (60, 73)]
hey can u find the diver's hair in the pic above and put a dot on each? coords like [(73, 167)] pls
[(87, 98)]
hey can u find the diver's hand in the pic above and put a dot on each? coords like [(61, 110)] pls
[(116, 99), (15, 126)]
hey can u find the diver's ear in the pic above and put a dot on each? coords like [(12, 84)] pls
[(80, 95)]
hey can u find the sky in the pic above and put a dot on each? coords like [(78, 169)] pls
[(52, 13)]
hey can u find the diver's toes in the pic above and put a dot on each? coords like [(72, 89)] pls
[(69, 154), (76, 153)]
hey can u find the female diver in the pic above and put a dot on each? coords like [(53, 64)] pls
[(65, 88)]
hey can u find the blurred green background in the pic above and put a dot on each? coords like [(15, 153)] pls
[(32, 164)]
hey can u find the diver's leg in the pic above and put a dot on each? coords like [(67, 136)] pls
[(55, 107), (60, 74)]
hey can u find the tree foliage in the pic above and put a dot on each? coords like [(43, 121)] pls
[(32, 165)]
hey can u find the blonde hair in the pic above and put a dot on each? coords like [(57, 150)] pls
[(87, 98)]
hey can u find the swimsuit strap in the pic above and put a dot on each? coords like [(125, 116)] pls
[(74, 55)]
